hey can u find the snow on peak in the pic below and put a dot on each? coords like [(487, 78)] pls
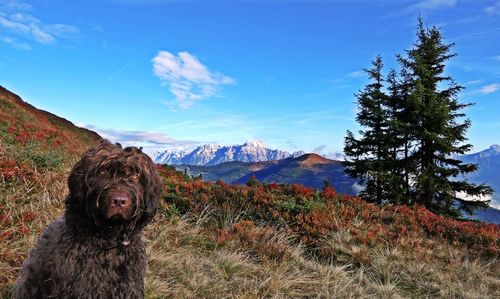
[(495, 147), (297, 154), (213, 154), (210, 146), (255, 143)]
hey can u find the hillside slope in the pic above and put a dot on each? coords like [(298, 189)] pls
[(37, 149), (29, 124)]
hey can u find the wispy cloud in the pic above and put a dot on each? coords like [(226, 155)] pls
[(319, 149), (188, 79), (15, 5), (433, 4), (16, 44), (150, 140), (472, 82), (117, 72), (474, 33), (421, 6), (356, 74), (15, 19), (493, 9), (491, 88)]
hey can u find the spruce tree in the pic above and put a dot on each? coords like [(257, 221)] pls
[(407, 103), (398, 140), (367, 156), (437, 124), (413, 131)]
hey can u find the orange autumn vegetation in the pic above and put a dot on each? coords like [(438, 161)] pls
[(312, 215), (25, 125)]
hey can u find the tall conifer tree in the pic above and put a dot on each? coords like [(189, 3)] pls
[(439, 128), (397, 140), (412, 134), (368, 155)]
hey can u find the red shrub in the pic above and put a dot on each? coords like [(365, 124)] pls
[(311, 216), (11, 170), (28, 216), (302, 191), (329, 193)]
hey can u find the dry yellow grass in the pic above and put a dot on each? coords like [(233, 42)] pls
[(185, 263)]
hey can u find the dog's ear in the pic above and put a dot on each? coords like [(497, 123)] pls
[(78, 184), (77, 180), (152, 185)]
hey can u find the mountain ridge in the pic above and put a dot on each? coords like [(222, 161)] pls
[(213, 154)]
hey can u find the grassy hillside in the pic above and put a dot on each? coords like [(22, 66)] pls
[(219, 240), (215, 240), (37, 149)]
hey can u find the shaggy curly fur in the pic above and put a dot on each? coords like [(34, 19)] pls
[(96, 250)]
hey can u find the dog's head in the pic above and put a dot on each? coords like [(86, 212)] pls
[(113, 186)]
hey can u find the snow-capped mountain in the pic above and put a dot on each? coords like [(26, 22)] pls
[(298, 154), (169, 156), (488, 161), (213, 154)]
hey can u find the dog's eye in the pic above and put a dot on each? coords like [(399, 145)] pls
[(102, 172), (134, 177)]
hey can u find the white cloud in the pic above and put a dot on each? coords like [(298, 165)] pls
[(433, 4), (150, 140), (356, 74), (464, 196), (493, 9), (14, 20), (62, 30), (189, 80), (15, 5), (472, 82), (13, 42), (487, 89), (357, 188), (139, 136)]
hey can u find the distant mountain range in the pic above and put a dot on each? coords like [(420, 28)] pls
[(213, 154), (310, 170), (256, 151), (237, 163), (488, 172)]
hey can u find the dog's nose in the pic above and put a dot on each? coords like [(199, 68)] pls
[(119, 200)]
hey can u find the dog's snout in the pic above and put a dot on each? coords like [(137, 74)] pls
[(119, 199)]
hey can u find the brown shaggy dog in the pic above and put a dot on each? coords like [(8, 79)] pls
[(96, 250)]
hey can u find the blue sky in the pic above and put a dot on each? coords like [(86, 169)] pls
[(170, 74)]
